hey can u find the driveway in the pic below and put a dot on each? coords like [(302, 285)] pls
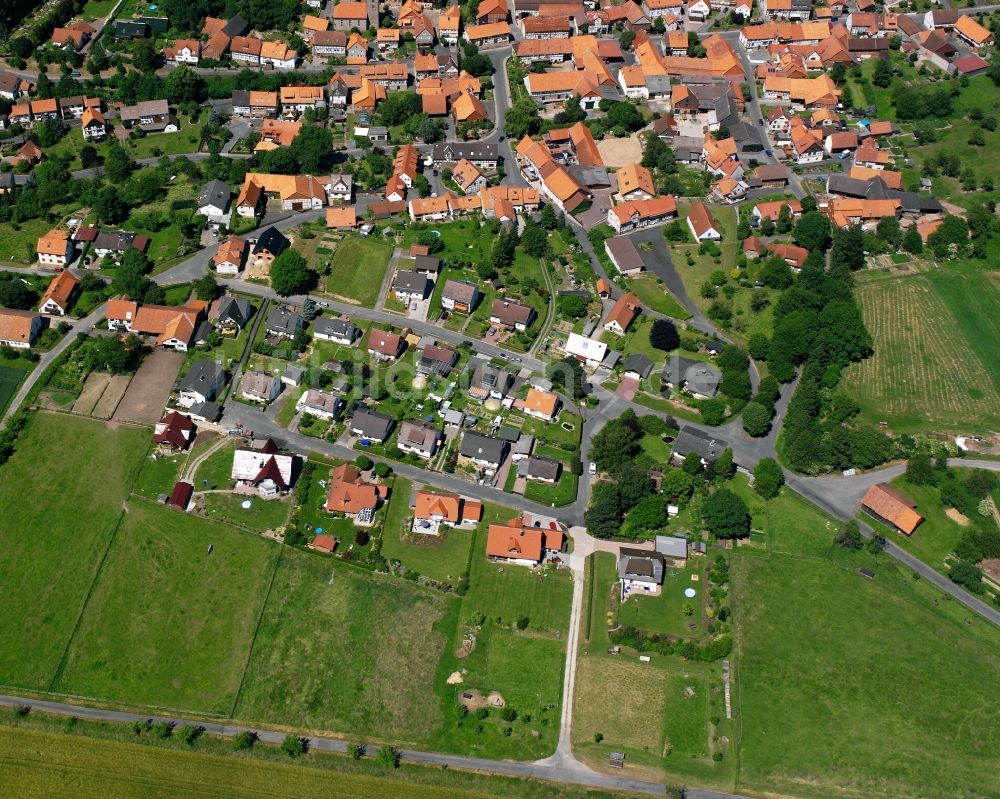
[(597, 214)]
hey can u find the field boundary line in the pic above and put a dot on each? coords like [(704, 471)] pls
[(99, 571), (256, 630)]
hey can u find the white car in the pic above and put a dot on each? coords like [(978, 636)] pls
[(593, 468)]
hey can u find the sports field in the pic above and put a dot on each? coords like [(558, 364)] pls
[(850, 687), (76, 473), (357, 269), (343, 651), (936, 365), (169, 622)]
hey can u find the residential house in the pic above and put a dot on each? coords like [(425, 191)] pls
[(347, 15), (511, 314), (488, 382), (114, 243), (637, 366), (638, 214), (430, 510), (184, 51), (152, 116), (260, 105), (449, 22), (489, 35), (702, 224), (542, 405), (93, 125), (482, 155), (213, 201), (229, 314), (19, 329), (482, 451), (624, 255), (329, 44), (58, 297), (260, 387), (384, 345), (173, 433), (371, 425), (697, 378), (491, 11), (635, 182), (972, 33), (229, 258), (174, 327), (772, 211), (296, 100), (418, 438), (319, 403), (436, 361), (792, 255), (268, 246), (283, 323), (589, 351), (410, 286), (640, 571), (622, 314), (339, 331), (341, 218), (691, 440), (348, 493), (468, 177), (339, 188), (55, 248), (539, 469), (264, 468), (889, 506), (523, 545)]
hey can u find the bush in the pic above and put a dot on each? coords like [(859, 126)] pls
[(244, 740), (357, 751), (388, 756), (162, 729), (383, 470), (363, 462), (522, 623), (190, 733), (293, 745)]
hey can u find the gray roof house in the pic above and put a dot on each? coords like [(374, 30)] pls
[(624, 255), (342, 331), (282, 322), (699, 379), (230, 313), (260, 386), (418, 438), (638, 366), (483, 450), (488, 381), (436, 360), (372, 425), (202, 383), (672, 547), (545, 470), (690, 439), (408, 285), (213, 201), (640, 566)]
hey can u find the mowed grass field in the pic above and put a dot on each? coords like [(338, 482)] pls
[(849, 687), (10, 379), (340, 650), (357, 269), (937, 353), (170, 623), (61, 496)]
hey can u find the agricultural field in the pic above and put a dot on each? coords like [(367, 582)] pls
[(93, 759), (804, 645), (357, 270), (937, 353), (332, 643), (10, 379), (53, 557), (172, 616)]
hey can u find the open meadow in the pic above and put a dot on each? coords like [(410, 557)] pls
[(170, 622), (339, 649), (936, 365), (836, 676), (357, 269), (61, 496)]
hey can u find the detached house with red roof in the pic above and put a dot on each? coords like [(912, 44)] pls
[(622, 314), (431, 510), (263, 468), (173, 433), (516, 543), (348, 493), (58, 296), (702, 224)]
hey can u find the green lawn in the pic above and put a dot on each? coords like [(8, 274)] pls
[(61, 496), (19, 244), (97, 9), (159, 476), (556, 495), (214, 472), (444, 557), (170, 622), (341, 650), (665, 613), (260, 516), (357, 270), (655, 447), (653, 294), (937, 352)]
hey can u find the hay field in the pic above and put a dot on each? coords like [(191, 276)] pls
[(934, 337)]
